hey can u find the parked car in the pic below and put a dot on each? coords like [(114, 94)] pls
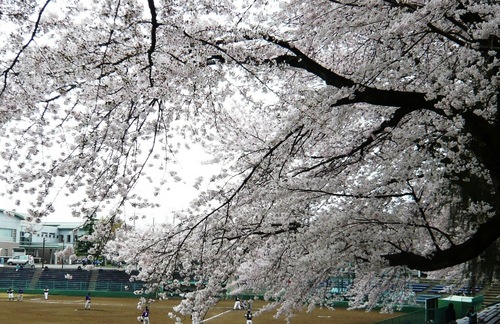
[(18, 259)]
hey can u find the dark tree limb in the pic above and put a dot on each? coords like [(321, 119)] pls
[(485, 235), (152, 47), (486, 146), (362, 93), (405, 104)]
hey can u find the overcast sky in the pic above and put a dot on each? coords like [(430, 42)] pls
[(190, 166)]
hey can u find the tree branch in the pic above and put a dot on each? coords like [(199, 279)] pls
[(5, 73), (486, 234), (485, 134), (154, 26), (362, 93)]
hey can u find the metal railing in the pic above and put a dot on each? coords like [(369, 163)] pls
[(69, 285)]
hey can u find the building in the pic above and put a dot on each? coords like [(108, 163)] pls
[(40, 240), (9, 232)]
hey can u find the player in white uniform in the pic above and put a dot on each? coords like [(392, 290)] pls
[(237, 304), (10, 294)]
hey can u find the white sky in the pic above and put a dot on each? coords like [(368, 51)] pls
[(190, 166)]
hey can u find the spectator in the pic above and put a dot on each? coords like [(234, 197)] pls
[(450, 316), (472, 315)]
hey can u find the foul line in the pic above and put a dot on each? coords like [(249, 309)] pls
[(208, 319)]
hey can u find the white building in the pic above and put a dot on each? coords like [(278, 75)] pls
[(43, 241)]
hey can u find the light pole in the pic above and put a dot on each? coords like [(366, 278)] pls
[(62, 255), (43, 253)]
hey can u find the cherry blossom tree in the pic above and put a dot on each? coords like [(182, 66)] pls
[(356, 136)]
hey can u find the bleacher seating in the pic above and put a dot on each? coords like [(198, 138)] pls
[(10, 273), (116, 281), (418, 287), (10, 278), (467, 291), (440, 289), (67, 279), (490, 315), (56, 279)]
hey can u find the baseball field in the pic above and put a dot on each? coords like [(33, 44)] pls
[(70, 310)]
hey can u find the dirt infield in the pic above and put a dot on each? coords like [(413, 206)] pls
[(70, 309)]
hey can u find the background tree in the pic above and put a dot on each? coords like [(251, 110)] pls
[(98, 232), (354, 135), (84, 246)]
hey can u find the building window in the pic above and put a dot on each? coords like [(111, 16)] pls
[(7, 235)]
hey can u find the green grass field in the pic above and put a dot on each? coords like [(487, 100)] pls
[(70, 310)]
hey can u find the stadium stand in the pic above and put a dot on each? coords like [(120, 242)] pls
[(489, 315), (440, 289), (418, 287), (466, 291), (67, 279), (10, 278), (56, 279), (115, 280)]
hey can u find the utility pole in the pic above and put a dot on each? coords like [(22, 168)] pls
[(43, 253), (62, 255)]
